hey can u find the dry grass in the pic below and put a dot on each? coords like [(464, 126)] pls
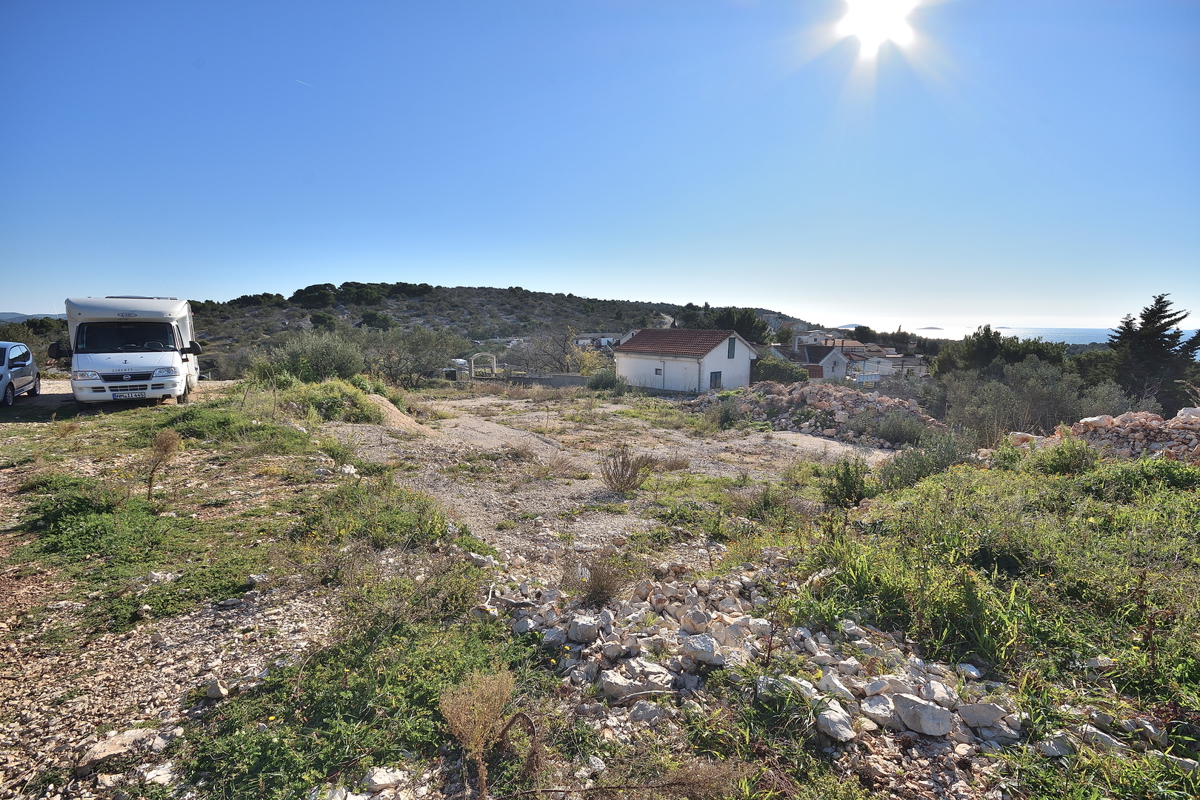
[(623, 471), (599, 580), (162, 451), (474, 713)]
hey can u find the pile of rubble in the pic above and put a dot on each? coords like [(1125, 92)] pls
[(815, 408), (1136, 433), (888, 713)]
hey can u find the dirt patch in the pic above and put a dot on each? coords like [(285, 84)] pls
[(395, 418)]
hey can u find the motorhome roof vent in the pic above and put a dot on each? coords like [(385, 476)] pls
[(136, 297)]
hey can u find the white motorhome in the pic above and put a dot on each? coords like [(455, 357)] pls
[(130, 348)]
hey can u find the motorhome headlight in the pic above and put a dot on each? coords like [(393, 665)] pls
[(164, 372), (84, 375)]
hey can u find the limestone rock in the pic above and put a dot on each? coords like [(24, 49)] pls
[(922, 716), (379, 778), (981, 715), (834, 722), (111, 747)]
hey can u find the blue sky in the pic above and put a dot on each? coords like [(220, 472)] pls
[(1020, 163)]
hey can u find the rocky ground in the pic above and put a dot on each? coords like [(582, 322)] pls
[(522, 475)]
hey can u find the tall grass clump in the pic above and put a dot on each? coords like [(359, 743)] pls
[(474, 713)]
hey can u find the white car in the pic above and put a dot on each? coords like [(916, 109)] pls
[(18, 373)]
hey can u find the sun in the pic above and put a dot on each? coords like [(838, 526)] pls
[(874, 22)]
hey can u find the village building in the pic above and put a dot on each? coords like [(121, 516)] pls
[(684, 360)]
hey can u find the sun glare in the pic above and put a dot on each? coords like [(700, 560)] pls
[(874, 22)]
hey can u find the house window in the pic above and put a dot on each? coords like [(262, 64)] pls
[(732, 347), (658, 372), (714, 380)]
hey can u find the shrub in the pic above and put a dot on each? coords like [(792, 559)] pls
[(1124, 481), (623, 471), (608, 381), (725, 414), (473, 712), (333, 401), (315, 356), (900, 428), (938, 451), (599, 580), (847, 483), (1071, 456), (770, 368)]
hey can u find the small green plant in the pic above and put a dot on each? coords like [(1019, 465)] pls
[(847, 483), (1071, 456), (608, 381)]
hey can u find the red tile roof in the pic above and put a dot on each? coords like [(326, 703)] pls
[(675, 342)]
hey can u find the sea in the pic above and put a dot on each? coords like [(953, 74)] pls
[(1067, 335)]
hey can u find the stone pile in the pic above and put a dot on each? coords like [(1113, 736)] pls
[(815, 408), (863, 684), (1134, 434)]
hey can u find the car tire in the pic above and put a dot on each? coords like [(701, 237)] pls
[(9, 397), (36, 389)]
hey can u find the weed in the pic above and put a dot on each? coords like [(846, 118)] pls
[(599, 580)]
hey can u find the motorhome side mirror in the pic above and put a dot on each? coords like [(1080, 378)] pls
[(57, 351), (194, 348)]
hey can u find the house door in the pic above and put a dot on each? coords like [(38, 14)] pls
[(714, 380), (660, 375)]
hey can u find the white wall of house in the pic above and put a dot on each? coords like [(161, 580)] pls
[(734, 371), (683, 374), (674, 373), (835, 364)]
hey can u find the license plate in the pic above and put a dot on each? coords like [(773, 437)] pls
[(129, 395)]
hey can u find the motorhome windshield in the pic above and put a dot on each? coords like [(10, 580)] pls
[(124, 337)]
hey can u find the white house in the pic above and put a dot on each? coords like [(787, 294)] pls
[(684, 360)]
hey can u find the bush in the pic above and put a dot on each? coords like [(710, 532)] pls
[(1125, 481), (900, 428), (608, 381), (770, 368), (847, 483), (333, 401), (938, 451), (599, 580), (725, 414), (1071, 456), (313, 356), (378, 513)]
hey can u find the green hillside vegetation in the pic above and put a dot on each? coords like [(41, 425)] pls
[(238, 330)]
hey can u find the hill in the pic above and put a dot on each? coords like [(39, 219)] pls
[(232, 330)]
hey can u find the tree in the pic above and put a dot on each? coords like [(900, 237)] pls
[(404, 357), (988, 352), (319, 295), (1151, 355), (769, 368), (377, 320), (745, 321)]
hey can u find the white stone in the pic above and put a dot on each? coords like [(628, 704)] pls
[(554, 638), (113, 746), (583, 629), (694, 621), (1098, 738), (380, 778), (524, 625), (1185, 764), (922, 716), (702, 648), (830, 684), (1056, 746), (970, 671), (980, 715), (879, 709), (834, 722), (939, 693), (645, 711)]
